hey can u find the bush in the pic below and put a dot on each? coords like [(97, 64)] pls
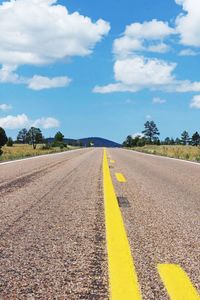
[(10, 142), (1, 151), (46, 147), (58, 144)]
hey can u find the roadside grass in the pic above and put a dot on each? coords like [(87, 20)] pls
[(18, 151), (182, 152)]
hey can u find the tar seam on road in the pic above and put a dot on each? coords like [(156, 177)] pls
[(120, 177), (123, 282), (177, 283)]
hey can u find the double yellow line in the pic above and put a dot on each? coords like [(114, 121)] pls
[(123, 282)]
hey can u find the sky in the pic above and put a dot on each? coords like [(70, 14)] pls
[(100, 68)]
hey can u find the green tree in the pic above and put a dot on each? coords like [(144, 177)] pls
[(151, 131), (22, 136), (195, 139), (178, 141), (10, 142), (185, 138), (167, 141), (3, 139), (34, 136), (59, 137), (128, 142)]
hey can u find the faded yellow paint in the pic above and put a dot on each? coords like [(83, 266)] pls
[(112, 161), (177, 283), (123, 282), (120, 177)]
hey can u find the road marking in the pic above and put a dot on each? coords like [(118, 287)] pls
[(123, 283), (38, 156), (177, 282), (112, 161), (166, 157), (120, 177)]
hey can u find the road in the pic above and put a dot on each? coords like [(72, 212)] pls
[(53, 229)]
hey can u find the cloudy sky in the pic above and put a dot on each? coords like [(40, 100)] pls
[(100, 68)]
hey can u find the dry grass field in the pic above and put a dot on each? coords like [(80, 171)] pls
[(22, 151), (182, 152)]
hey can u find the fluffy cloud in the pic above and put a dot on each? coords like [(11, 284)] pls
[(195, 103), (147, 36), (188, 23), (137, 134), (4, 106), (137, 73), (20, 121), (40, 82), (153, 30), (39, 32), (46, 123), (157, 100), (8, 75), (188, 52), (14, 122), (141, 71)]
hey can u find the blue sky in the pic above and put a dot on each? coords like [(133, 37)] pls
[(99, 68)]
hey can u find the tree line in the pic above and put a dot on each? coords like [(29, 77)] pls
[(33, 136), (150, 135)]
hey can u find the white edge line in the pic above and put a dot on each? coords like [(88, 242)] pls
[(165, 157), (38, 156)]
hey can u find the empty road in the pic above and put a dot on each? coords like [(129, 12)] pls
[(55, 226)]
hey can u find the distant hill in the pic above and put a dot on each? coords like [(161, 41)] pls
[(96, 141), (99, 142)]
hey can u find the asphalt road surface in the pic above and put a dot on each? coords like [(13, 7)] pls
[(52, 224)]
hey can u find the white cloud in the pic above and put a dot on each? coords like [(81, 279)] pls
[(8, 74), (14, 122), (195, 103), (187, 86), (46, 123), (40, 82), (147, 36), (40, 31), (188, 52), (20, 121), (159, 48), (188, 23), (137, 134), (152, 30), (157, 100), (140, 71), (4, 106), (137, 73)]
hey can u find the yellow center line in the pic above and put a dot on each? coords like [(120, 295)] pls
[(177, 283), (120, 177), (123, 283)]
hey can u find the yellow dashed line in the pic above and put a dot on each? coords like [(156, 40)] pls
[(123, 283), (177, 283), (120, 177)]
